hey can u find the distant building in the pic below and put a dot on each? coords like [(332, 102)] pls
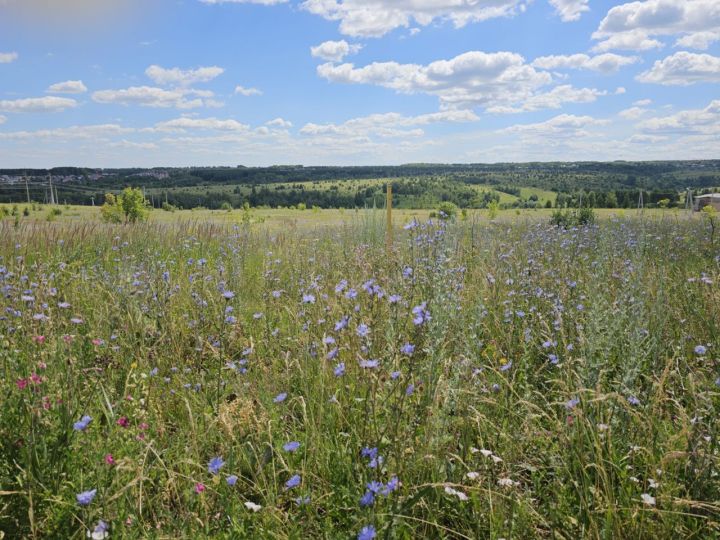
[(711, 199)]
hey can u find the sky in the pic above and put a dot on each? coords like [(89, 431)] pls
[(160, 83)]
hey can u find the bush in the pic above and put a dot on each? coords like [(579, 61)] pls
[(226, 206), (572, 217), (447, 211)]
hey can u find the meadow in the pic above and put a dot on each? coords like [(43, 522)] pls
[(283, 376)]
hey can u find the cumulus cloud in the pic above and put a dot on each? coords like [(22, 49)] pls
[(186, 123), (498, 82), (633, 113), (388, 124), (375, 18), (604, 63), (634, 25), (179, 77), (334, 51), (693, 121), (6, 58), (93, 131), (247, 91), (261, 2), (279, 123), (570, 10), (67, 87), (567, 125), (683, 69), (698, 40), (43, 104), (148, 96)]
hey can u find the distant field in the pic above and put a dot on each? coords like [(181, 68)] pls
[(275, 218)]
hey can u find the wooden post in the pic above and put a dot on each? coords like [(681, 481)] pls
[(388, 206)]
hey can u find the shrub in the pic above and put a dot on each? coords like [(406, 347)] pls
[(447, 210)]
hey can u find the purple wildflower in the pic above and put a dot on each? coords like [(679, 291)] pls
[(367, 533), (291, 446), (86, 497), (293, 482), (82, 424), (215, 465)]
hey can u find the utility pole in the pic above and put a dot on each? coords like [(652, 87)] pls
[(641, 204), (52, 193), (92, 198), (388, 206), (27, 189)]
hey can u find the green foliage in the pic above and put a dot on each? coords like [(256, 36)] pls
[(573, 217), (111, 211), (447, 211), (169, 207), (130, 206), (26, 211), (226, 206), (493, 209)]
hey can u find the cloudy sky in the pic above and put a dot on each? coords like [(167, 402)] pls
[(260, 82)]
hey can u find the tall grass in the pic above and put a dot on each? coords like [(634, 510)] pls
[(480, 380)]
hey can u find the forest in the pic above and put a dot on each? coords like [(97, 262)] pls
[(512, 185)]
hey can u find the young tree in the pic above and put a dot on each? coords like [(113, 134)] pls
[(130, 206)]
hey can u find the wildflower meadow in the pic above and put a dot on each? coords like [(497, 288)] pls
[(477, 379)]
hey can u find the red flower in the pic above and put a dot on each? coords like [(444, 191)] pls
[(199, 488), (21, 383), (123, 421)]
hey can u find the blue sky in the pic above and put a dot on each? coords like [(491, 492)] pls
[(351, 82)]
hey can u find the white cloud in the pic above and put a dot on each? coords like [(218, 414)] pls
[(247, 91), (334, 51), (698, 40), (629, 41), (564, 125), (693, 121), (388, 125), (499, 82), (280, 123), (374, 18), (3, 119), (6, 58), (644, 139), (633, 113), (124, 143), (43, 104), (67, 87), (94, 131), (553, 99), (604, 63), (185, 123), (683, 69), (642, 102), (633, 25), (261, 2), (570, 10), (148, 96), (179, 77)]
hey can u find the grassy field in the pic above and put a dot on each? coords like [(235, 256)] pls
[(281, 374)]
